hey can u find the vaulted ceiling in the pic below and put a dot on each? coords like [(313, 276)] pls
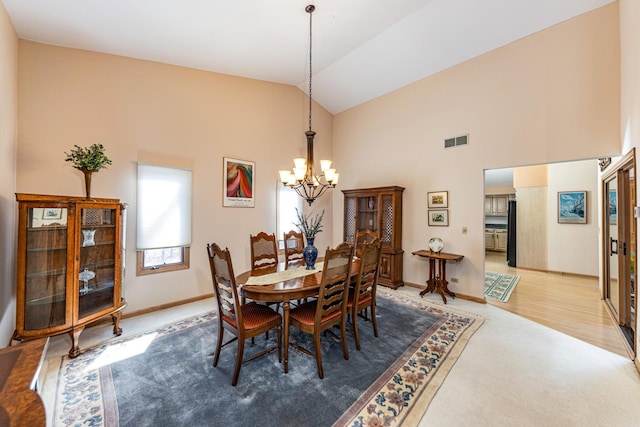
[(362, 49)]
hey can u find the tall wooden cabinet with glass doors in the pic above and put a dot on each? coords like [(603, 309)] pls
[(378, 211), (70, 265)]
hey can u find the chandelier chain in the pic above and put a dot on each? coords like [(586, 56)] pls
[(310, 63), (304, 179)]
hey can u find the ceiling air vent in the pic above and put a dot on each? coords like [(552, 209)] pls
[(456, 141)]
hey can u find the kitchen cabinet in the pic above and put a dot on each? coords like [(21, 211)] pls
[(496, 204), (69, 265), (495, 239), (379, 211)]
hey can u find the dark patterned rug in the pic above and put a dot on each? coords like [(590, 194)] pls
[(165, 377)]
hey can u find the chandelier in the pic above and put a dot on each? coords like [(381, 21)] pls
[(303, 178)]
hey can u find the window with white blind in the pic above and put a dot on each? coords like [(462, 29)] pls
[(163, 219), (287, 202)]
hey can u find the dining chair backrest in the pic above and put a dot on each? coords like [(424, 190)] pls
[(367, 279), (264, 251), (224, 285), (363, 296), (363, 237), (293, 248), (334, 285)]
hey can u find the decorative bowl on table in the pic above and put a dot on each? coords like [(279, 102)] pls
[(436, 244)]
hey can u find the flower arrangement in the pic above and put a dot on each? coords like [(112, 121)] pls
[(90, 158), (309, 226)]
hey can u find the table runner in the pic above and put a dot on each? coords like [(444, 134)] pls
[(281, 276)]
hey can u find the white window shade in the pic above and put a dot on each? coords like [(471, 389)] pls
[(287, 201), (164, 207)]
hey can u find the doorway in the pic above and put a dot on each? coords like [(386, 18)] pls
[(553, 291), (619, 246)]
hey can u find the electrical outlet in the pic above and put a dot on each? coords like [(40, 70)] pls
[(454, 280), (464, 230)]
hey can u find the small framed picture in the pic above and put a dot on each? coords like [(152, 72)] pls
[(238, 183), (572, 207), (438, 200), (439, 217), (52, 213)]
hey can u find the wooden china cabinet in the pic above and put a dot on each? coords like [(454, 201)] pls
[(70, 265), (379, 211)]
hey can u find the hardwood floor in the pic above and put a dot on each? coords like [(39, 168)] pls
[(567, 303)]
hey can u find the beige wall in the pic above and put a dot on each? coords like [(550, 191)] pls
[(147, 111), (573, 248), (532, 225), (8, 140), (553, 96), (530, 176)]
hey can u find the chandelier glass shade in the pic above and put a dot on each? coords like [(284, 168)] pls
[(303, 178)]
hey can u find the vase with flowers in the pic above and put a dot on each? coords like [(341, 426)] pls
[(309, 226), (88, 160)]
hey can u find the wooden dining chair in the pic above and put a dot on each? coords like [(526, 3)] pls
[(363, 237), (264, 251), (363, 294), (242, 320), (293, 248), (331, 306)]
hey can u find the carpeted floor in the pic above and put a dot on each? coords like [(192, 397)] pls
[(498, 286), (165, 377)]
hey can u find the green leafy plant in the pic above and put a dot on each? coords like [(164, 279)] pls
[(308, 225), (90, 158)]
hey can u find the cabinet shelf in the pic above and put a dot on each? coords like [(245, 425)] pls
[(98, 244), (49, 299), (53, 248), (45, 273)]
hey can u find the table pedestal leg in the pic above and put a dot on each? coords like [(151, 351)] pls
[(442, 287), (431, 282), (285, 315)]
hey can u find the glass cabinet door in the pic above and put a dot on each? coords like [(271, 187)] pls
[(96, 271), (45, 268), (368, 213)]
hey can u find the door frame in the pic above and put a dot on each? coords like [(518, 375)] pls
[(626, 224)]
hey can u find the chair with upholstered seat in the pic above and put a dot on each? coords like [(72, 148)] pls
[(242, 320), (293, 248), (264, 251), (330, 308), (363, 294)]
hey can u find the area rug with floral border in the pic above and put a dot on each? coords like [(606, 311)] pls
[(164, 377)]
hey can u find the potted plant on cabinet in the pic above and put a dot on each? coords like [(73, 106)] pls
[(88, 160)]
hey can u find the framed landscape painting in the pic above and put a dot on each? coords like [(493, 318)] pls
[(439, 217), (572, 207), (239, 183), (438, 199)]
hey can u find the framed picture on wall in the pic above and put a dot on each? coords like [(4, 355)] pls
[(438, 199), (238, 183), (572, 207), (439, 217)]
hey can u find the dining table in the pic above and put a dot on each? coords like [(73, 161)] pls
[(279, 284)]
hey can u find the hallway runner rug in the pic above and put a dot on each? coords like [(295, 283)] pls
[(165, 377), (498, 286)]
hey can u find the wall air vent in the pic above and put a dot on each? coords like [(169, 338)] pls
[(456, 141)]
